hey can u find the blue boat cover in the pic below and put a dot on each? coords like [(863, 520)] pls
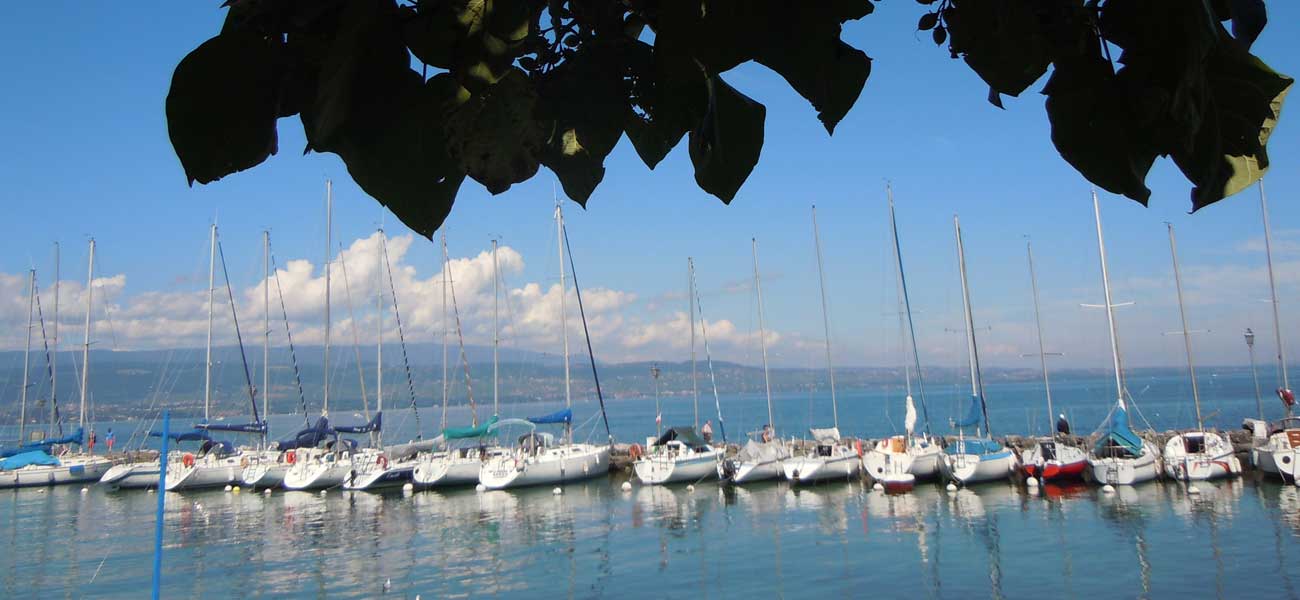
[(375, 424), (1118, 433), (461, 433), (310, 437), (978, 446), (197, 435), (19, 461), (236, 427), (973, 414), (75, 437), (565, 416)]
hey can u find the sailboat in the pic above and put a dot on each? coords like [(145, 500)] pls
[(760, 458), (1276, 448), (321, 458), (1049, 458), (829, 457), (979, 458), (465, 448), (265, 467), (217, 462), (898, 461), (539, 459), (49, 461), (1200, 454), (1120, 456), (680, 454)]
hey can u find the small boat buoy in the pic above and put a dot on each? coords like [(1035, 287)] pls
[(1193, 490), (85, 490), (322, 492), (878, 487), (228, 488), (235, 489), (266, 491), (1032, 482), (406, 487), (480, 487), (627, 486), (1108, 488), (952, 487), (691, 488), (557, 491), (150, 490)]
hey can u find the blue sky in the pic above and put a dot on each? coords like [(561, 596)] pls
[(88, 154)]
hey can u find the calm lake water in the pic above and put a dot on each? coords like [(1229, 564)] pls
[(1235, 539)]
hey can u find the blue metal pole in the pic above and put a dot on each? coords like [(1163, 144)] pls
[(162, 496)]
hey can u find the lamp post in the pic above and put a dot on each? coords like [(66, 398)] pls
[(1250, 346), (654, 372)]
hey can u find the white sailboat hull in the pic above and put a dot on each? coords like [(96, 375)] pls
[(966, 469), (1124, 470), (557, 465), (206, 472), (73, 469), (1279, 455), (455, 468), (131, 476), (317, 469), (918, 457), (377, 477), (842, 464), (749, 471), (1214, 459), (265, 469), (657, 468)]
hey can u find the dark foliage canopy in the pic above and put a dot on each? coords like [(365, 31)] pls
[(507, 86)]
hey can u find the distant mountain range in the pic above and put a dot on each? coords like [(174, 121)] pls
[(127, 384)]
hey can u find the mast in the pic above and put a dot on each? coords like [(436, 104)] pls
[(1187, 334), (564, 314), (1272, 288), (496, 325), (85, 348), (972, 350), (379, 344), (708, 355), (54, 362), (329, 213), (445, 266), (826, 320), (266, 333), (762, 333), (1042, 351), (690, 303), (907, 305), (1110, 308), (27, 351), (207, 362)]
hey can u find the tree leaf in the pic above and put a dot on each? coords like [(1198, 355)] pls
[(671, 97), (928, 21), (727, 144), (221, 107), (829, 73), (401, 158), (494, 137), (1248, 20), (1001, 40)]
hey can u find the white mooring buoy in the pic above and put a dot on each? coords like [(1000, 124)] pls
[(627, 486), (952, 487), (878, 487), (1108, 488), (557, 491), (480, 487)]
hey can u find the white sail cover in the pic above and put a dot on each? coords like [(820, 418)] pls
[(760, 452), (829, 435), (909, 422)]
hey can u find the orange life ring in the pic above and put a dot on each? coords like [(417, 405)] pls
[(290, 457), (187, 459), (382, 461), (634, 451), (857, 445)]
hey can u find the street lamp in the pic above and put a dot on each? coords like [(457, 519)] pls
[(1250, 346), (654, 372)]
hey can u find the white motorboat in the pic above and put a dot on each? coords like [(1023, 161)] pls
[(979, 458), (678, 456), (1200, 455), (1120, 456)]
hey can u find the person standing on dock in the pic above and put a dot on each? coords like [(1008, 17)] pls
[(707, 431), (109, 438), (1062, 425)]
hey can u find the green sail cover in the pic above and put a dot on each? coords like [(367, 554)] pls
[(460, 433)]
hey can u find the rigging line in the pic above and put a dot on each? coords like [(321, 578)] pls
[(460, 338), (239, 338), (293, 354), (708, 356), (401, 337), (49, 360), (590, 353), (356, 340)]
